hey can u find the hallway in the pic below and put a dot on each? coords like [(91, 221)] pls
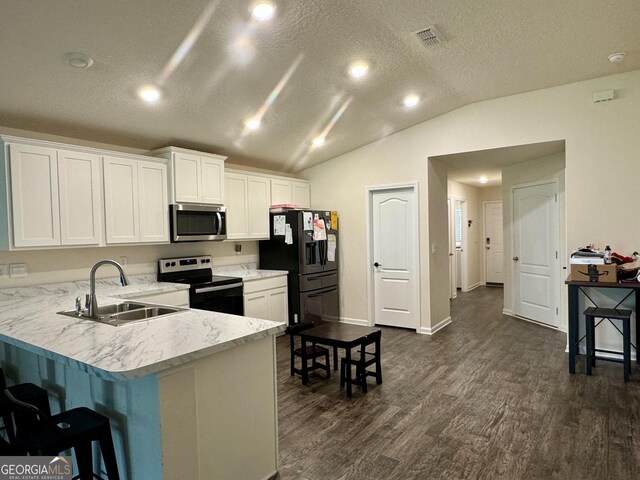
[(488, 397)]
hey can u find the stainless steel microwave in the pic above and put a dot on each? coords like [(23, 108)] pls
[(197, 222)]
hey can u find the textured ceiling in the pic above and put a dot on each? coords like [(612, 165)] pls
[(468, 167), (494, 48)]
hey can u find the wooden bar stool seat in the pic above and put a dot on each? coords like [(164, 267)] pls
[(610, 314)]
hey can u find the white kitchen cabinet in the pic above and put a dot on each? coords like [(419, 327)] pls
[(247, 202), (267, 299), (80, 198), (55, 196), (135, 189), (195, 177), (290, 191), (301, 194)]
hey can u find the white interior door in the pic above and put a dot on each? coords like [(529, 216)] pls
[(452, 251), (395, 257), (494, 258), (535, 252)]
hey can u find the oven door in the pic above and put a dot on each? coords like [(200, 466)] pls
[(223, 298), (323, 303), (190, 223)]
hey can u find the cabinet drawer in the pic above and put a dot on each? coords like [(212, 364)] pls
[(252, 286)]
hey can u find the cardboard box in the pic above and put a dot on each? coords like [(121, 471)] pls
[(594, 273)]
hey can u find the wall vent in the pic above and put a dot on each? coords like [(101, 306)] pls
[(429, 36)]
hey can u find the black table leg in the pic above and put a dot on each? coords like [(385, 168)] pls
[(304, 368), (626, 348), (573, 326), (637, 325), (335, 357), (347, 374)]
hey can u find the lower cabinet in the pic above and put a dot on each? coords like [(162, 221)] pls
[(267, 299)]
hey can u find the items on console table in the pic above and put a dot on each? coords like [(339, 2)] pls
[(575, 289)]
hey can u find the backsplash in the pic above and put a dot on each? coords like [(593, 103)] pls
[(72, 264)]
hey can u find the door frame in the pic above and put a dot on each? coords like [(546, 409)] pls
[(369, 192), (558, 273), (453, 291), (464, 244), (484, 238)]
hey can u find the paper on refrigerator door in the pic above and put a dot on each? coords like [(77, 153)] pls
[(307, 221), (288, 236), (278, 224), (319, 230), (331, 247)]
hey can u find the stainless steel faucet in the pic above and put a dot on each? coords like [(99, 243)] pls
[(92, 302)]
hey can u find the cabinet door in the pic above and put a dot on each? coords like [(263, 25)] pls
[(34, 196), (280, 192), (278, 304), (80, 204), (256, 305), (258, 202), (121, 200), (212, 172), (187, 178), (236, 204), (153, 203), (301, 194)]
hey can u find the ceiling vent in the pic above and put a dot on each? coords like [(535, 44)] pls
[(429, 36)]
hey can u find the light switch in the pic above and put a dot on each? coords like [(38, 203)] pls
[(18, 270)]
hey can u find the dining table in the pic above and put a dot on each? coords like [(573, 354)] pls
[(336, 335)]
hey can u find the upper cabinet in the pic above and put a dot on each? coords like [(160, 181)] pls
[(55, 196), (195, 177), (135, 195), (290, 191), (247, 203)]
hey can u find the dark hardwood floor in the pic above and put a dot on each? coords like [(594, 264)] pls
[(487, 397)]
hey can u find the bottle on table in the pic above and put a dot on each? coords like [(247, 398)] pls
[(607, 255)]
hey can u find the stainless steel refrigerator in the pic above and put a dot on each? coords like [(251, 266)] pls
[(312, 262)]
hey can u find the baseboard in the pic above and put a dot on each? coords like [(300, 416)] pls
[(506, 311), (354, 321), (474, 286), (271, 476), (439, 326), (583, 351)]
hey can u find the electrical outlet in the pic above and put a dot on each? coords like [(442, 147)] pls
[(4, 271), (18, 270)]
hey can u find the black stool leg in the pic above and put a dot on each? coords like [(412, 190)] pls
[(84, 460), (342, 373), (626, 348), (378, 363), (590, 334), (109, 454)]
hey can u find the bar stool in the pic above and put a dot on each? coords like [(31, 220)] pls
[(313, 353), (610, 314), (362, 362), (77, 428)]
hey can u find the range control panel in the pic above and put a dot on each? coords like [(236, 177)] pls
[(167, 265)]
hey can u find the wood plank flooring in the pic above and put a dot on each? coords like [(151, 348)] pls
[(488, 397)]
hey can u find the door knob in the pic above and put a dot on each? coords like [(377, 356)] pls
[(377, 265), (515, 259), (488, 247), (451, 254)]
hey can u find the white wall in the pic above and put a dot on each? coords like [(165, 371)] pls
[(599, 138)]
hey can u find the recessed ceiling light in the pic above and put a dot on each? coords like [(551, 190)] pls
[(483, 179), (78, 60), (358, 69), (252, 123), (616, 57), (411, 100), (263, 11), (318, 141), (150, 93)]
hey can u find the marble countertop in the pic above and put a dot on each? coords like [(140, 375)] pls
[(248, 272), (28, 320)]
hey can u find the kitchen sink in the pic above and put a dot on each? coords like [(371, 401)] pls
[(124, 313)]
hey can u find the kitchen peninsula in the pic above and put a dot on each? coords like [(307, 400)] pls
[(189, 395)]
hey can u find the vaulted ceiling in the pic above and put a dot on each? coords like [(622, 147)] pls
[(217, 67)]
